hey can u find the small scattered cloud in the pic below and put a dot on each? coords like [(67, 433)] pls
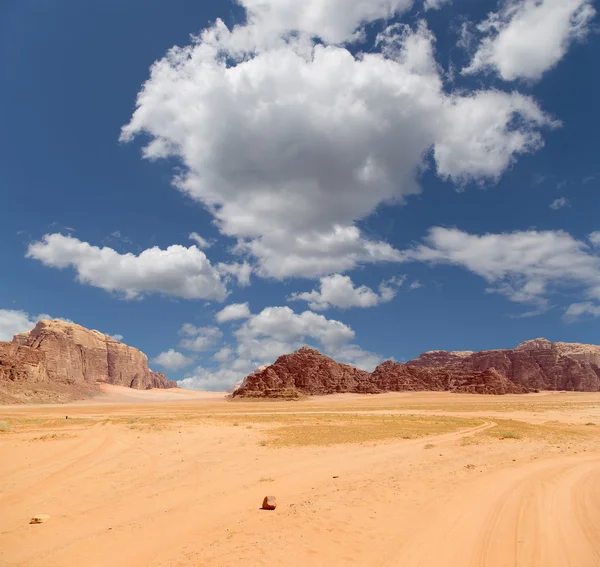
[(577, 310), (200, 242), (559, 203), (233, 312), (435, 4), (527, 38), (538, 178), (172, 360), (525, 266), (339, 291), (240, 271), (199, 339), (117, 337)]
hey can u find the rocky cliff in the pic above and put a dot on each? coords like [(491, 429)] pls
[(537, 364), (57, 355), (308, 372), (534, 365), (305, 372)]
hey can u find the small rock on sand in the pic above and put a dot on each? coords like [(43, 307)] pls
[(39, 519), (269, 503)]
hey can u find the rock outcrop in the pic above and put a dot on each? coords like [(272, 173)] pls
[(56, 355), (396, 377), (534, 365), (307, 372), (538, 364)]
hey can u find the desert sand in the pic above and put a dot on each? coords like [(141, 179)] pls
[(422, 480)]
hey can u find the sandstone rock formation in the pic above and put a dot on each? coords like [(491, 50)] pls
[(61, 358), (396, 377), (534, 365), (537, 364), (305, 372), (308, 372)]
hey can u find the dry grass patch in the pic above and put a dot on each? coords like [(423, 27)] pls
[(25, 425), (550, 432), (341, 429)]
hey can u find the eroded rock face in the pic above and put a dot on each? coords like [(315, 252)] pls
[(305, 372), (537, 364), (396, 377), (308, 372), (22, 364), (74, 354)]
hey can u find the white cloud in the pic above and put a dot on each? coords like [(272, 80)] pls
[(282, 323), (559, 203), (199, 339), (415, 285), (200, 242), (273, 332), (233, 312), (13, 322), (435, 4), (117, 337), (353, 354), (335, 21), (526, 38), (240, 271), (224, 354), (213, 380), (577, 310), (481, 122), (525, 266), (282, 254), (594, 238), (178, 271), (339, 291), (288, 143), (172, 360)]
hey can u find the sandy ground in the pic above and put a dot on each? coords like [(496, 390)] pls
[(177, 479)]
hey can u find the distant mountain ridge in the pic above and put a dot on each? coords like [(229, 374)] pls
[(533, 365)]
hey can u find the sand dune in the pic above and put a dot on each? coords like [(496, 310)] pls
[(180, 483)]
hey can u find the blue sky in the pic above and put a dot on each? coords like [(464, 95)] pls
[(372, 179)]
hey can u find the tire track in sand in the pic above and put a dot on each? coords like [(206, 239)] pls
[(538, 515)]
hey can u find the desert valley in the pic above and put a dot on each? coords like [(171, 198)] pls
[(424, 473)]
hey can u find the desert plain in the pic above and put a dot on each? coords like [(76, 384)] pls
[(175, 478)]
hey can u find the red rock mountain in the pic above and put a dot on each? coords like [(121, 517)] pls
[(58, 361), (537, 364), (308, 372), (534, 365)]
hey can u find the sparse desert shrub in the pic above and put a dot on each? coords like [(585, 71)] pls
[(429, 446), (4, 427), (590, 423), (236, 424), (509, 435), (263, 443)]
